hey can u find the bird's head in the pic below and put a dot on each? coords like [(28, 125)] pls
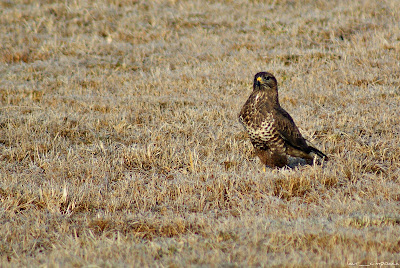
[(265, 81)]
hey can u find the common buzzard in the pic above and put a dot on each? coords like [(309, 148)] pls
[(272, 131)]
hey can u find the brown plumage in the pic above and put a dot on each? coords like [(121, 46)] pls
[(272, 131)]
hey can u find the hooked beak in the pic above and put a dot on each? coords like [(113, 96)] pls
[(259, 79)]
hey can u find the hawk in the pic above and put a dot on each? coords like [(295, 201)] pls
[(272, 130)]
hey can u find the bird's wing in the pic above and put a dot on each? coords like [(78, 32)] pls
[(288, 129)]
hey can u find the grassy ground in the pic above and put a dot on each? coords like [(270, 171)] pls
[(120, 144)]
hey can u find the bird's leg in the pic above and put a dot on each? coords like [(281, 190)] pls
[(271, 158)]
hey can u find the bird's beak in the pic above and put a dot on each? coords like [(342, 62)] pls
[(259, 79)]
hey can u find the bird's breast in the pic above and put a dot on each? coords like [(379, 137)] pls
[(263, 131)]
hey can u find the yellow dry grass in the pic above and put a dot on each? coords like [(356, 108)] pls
[(120, 144)]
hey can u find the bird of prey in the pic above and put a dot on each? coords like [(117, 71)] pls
[(272, 130)]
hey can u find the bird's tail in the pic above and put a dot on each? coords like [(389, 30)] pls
[(319, 153)]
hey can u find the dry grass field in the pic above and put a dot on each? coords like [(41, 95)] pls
[(120, 143)]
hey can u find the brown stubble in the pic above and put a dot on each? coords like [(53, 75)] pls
[(120, 145)]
